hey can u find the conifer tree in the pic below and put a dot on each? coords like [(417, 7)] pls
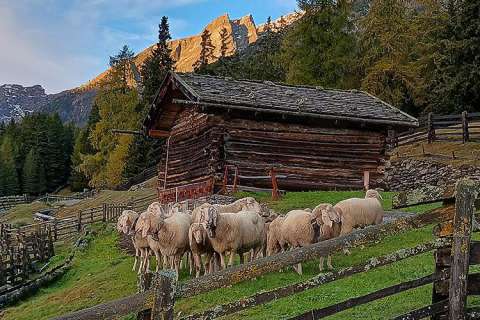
[(121, 69), (9, 181), (206, 51), (225, 41), (320, 48), (158, 63), (456, 85), (34, 181)]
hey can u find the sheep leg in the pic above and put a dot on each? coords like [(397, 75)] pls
[(158, 258), (137, 253), (190, 261), (222, 261), (329, 262), (147, 259), (232, 256), (142, 261), (197, 259), (242, 259), (208, 264), (320, 266)]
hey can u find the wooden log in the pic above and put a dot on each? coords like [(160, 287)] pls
[(354, 302), (465, 195), (268, 296), (426, 194), (428, 311)]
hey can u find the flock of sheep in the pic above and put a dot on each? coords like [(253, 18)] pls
[(211, 231)]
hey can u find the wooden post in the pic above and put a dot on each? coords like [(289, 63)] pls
[(235, 180), (104, 212), (366, 180), (225, 180), (462, 228), (466, 135), (79, 226), (430, 128), (144, 284), (55, 231), (275, 192), (164, 285)]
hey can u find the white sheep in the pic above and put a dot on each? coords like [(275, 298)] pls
[(169, 236), (244, 204), (235, 232), (301, 228), (360, 212), (127, 223), (330, 227), (275, 242)]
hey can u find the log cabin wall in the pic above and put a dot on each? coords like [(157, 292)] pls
[(312, 157), (192, 153)]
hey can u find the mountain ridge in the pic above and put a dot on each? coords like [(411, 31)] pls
[(74, 105)]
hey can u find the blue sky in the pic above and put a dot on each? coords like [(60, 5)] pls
[(61, 44)]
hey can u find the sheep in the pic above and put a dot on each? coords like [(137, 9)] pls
[(169, 236), (235, 232), (275, 242), (127, 224), (358, 212), (329, 228), (301, 228), (244, 204), (200, 244)]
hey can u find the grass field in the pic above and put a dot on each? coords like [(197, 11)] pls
[(102, 273)]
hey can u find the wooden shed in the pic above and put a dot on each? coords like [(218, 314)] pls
[(314, 138)]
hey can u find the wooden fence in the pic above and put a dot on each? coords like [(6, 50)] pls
[(20, 252), (49, 198), (158, 291), (9, 202), (464, 127)]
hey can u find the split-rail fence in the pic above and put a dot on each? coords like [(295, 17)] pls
[(464, 127), (454, 252)]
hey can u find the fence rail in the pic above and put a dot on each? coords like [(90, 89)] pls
[(139, 178), (464, 127)]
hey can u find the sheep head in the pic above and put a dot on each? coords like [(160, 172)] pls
[(156, 209), (211, 221), (326, 214), (251, 205), (126, 221), (372, 193), (197, 233)]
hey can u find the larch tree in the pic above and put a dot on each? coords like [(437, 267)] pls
[(9, 180)]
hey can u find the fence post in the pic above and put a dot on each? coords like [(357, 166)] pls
[(104, 212), (79, 226), (466, 135), (366, 180), (164, 285), (275, 192), (430, 128), (465, 196), (55, 231), (143, 285)]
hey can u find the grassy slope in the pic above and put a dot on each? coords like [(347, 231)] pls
[(22, 214), (469, 150), (102, 273)]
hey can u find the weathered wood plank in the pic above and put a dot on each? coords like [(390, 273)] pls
[(426, 194), (465, 195), (268, 296), (354, 302)]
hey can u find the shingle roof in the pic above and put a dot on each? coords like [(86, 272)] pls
[(304, 100)]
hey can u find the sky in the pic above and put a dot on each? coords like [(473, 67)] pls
[(61, 44)]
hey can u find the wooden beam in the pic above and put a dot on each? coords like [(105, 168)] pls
[(426, 194), (465, 196), (158, 133), (428, 311), (122, 131)]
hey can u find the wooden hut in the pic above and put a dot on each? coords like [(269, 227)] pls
[(314, 138)]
